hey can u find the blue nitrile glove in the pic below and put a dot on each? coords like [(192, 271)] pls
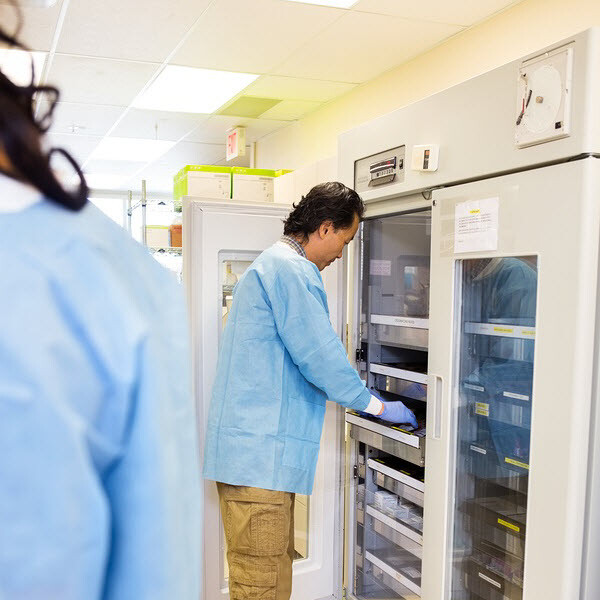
[(396, 412)]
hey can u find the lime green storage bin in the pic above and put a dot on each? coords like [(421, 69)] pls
[(205, 181), (252, 185)]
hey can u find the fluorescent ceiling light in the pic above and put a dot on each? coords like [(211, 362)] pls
[(16, 65), (131, 149), (334, 3), (189, 90)]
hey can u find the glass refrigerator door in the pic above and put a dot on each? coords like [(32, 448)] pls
[(512, 325), (495, 374), (390, 474)]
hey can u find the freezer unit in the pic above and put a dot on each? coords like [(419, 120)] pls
[(477, 307)]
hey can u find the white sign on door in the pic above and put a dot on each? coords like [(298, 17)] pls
[(476, 225), (380, 267)]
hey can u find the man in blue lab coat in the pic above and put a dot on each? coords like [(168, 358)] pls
[(279, 363)]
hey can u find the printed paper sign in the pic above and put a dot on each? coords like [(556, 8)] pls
[(381, 267), (476, 225)]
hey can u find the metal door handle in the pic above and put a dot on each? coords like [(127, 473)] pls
[(434, 400)]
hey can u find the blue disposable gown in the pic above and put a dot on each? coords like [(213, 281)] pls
[(98, 458), (280, 360)]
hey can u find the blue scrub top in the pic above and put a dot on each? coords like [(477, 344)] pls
[(98, 452), (279, 362)]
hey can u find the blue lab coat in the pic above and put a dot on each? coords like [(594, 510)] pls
[(279, 362), (98, 456)]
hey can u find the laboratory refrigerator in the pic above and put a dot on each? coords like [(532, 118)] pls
[(475, 301), (470, 294)]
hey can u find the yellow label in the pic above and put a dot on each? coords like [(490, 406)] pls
[(504, 329), (483, 409), (509, 525), (475, 211), (528, 332), (512, 461)]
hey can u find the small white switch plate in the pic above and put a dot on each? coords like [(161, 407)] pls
[(425, 157)]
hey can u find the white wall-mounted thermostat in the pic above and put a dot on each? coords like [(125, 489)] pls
[(425, 158), (543, 111)]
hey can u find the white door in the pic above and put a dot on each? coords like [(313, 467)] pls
[(220, 241), (510, 364)]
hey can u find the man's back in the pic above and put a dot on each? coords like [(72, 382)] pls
[(280, 359)]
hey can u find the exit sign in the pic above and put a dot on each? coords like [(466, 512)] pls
[(236, 143)]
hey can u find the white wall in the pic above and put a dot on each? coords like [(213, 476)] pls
[(522, 29)]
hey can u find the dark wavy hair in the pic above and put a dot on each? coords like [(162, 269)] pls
[(331, 201), (21, 133)]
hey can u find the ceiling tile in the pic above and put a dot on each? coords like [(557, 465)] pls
[(290, 110), (159, 174), (39, 24), (465, 12), (152, 124), (253, 37), (138, 31), (249, 106), (158, 179), (214, 130), (293, 88), (124, 168), (99, 81), (355, 54), (83, 119), (105, 181), (80, 146), (186, 153)]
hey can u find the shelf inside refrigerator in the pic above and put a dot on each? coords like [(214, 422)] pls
[(401, 387), (403, 570), (400, 489), (501, 563), (497, 524), (504, 539), (489, 585), (510, 330), (401, 478), (373, 588), (392, 535), (506, 413), (401, 331), (402, 443), (500, 379), (488, 459), (410, 524), (409, 322), (405, 379), (499, 512)]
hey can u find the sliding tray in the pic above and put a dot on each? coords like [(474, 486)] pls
[(409, 446)]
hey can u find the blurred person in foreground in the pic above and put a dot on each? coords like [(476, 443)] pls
[(100, 494)]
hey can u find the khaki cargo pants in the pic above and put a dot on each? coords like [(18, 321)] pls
[(259, 529)]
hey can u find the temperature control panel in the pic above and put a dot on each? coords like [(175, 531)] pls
[(380, 169)]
